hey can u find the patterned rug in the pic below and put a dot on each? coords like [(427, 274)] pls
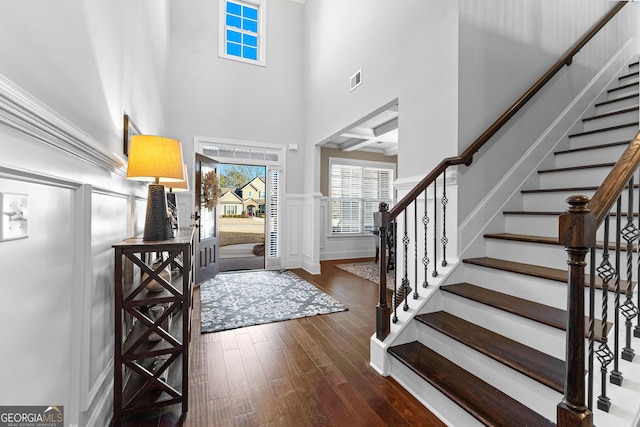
[(368, 271), (236, 300)]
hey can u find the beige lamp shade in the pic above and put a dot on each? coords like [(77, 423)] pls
[(155, 157), (182, 185)]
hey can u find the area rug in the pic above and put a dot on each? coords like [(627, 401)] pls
[(236, 300), (368, 271)]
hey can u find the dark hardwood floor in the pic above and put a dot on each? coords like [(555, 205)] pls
[(305, 372)]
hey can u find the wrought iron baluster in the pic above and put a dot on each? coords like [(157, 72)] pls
[(629, 310), (616, 375), (444, 240), (415, 247), (435, 230), (606, 272), (405, 289), (395, 298), (425, 258), (393, 247)]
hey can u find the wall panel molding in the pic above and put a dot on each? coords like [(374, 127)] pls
[(23, 112)]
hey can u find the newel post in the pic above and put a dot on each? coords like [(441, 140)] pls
[(382, 221), (577, 234)]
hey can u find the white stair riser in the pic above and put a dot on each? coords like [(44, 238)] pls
[(589, 157), (531, 393), (556, 201), (552, 256), (547, 225), (432, 398), (574, 178), (614, 135), (627, 79), (623, 91), (539, 225), (530, 333), (615, 106), (542, 291), (608, 121)]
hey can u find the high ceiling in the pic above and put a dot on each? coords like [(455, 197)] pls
[(377, 133)]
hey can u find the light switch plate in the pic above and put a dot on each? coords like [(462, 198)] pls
[(15, 215)]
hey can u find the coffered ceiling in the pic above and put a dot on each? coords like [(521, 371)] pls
[(377, 132)]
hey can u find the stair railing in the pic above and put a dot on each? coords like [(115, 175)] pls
[(385, 218), (577, 232)]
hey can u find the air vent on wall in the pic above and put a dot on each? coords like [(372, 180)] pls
[(356, 80)]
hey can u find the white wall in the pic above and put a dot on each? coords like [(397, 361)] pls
[(406, 50), (220, 98), (505, 46), (74, 67)]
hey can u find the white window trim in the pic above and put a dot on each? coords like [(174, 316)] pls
[(262, 33), (361, 163)]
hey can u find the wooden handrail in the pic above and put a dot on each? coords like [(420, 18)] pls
[(467, 155), (602, 201)]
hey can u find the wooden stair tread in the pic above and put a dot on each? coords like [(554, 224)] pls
[(547, 315), (535, 364), (566, 189), (483, 401), (546, 213), (575, 168), (613, 101), (610, 114), (626, 76), (606, 129), (547, 240), (559, 190), (622, 87), (548, 273), (592, 147), (553, 213)]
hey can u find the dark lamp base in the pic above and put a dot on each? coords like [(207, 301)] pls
[(157, 225)]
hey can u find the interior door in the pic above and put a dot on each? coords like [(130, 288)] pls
[(207, 250)]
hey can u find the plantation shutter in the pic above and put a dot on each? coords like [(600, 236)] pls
[(274, 196), (356, 193), (377, 188), (346, 194)]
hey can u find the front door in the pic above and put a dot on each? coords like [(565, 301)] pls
[(206, 216)]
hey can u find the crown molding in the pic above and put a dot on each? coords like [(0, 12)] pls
[(25, 113)]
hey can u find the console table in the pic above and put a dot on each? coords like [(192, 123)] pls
[(152, 329)]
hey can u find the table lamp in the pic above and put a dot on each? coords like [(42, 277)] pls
[(173, 188), (155, 158)]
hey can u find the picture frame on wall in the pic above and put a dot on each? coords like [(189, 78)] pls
[(130, 129)]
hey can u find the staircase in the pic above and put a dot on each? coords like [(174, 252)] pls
[(489, 346)]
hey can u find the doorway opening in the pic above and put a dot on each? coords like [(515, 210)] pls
[(242, 211)]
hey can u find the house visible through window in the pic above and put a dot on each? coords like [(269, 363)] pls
[(242, 30), (357, 188)]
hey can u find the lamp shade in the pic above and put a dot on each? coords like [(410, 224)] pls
[(176, 186), (155, 157)]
